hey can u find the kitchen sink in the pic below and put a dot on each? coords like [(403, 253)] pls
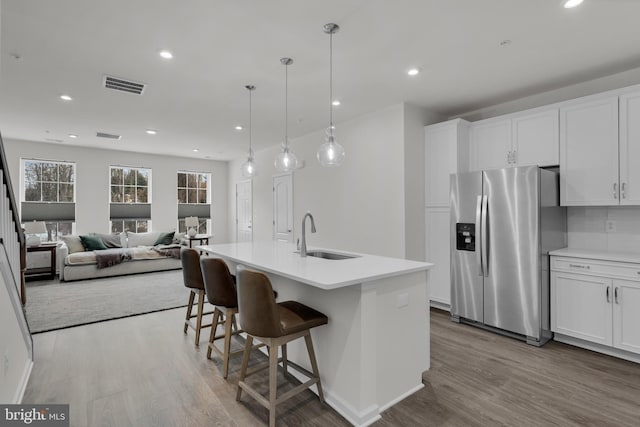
[(329, 255)]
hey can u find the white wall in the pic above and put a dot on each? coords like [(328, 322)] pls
[(359, 206), (587, 228), (92, 183)]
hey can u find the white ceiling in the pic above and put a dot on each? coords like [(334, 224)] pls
[(219, 46)]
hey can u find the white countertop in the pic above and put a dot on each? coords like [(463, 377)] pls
[(279, 258), (598, 254)]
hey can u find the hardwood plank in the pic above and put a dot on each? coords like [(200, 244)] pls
[(144, 371)]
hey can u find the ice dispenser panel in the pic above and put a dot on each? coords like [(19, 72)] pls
[(465, 236)]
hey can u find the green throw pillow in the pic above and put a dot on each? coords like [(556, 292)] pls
[(165, 239), (92, 243)]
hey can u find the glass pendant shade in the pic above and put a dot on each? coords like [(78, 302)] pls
[(286, 161), (331, 153), (249, 167)]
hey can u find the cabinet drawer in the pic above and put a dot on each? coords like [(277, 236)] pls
[(596, 267)]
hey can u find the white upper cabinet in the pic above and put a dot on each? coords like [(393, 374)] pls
[(445, 151), (490, 144), (526, 138), (535, 138), (589, 152), (630, 149)]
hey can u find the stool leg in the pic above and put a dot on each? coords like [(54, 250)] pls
[(245, 362), (314, 364), (284, 359), (273, 384), (212, 335), (189, 308), (199, 318), (227, 344)]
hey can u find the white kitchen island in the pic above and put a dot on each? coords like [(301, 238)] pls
[(375, 347)]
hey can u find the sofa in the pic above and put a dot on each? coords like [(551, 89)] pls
[(102, 255)]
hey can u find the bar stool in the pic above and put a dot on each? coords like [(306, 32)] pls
[(193, 280), (220, 288), (274, 325)]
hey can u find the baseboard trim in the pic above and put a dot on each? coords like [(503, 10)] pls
[(23, 383), (401, 397), (599, 348)]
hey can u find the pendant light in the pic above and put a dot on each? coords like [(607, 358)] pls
[(286, 161), (331, 153), (249, 167)]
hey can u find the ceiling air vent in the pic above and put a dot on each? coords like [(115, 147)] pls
[(123, 85), (107, 135)]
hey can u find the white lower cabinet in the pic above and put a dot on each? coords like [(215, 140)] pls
[(596, 301), (626, 315)]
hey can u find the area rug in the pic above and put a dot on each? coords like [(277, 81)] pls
[(52, 304)]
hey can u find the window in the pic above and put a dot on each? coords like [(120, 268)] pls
[(194, 196), (130, 185), (130, 198), (48, 181), (48, 195), (134, 225)]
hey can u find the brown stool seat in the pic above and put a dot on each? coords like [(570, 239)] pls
[(296, 317), (274, 325), (192, 276)]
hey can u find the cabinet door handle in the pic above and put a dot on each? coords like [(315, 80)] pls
[(508, 157), (615, 190), (623, 190), (514, 156), (582, 266), (608, 291), (615, 294)]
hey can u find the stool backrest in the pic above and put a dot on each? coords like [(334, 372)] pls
[(191, 268), (257, 308), (218, 282)]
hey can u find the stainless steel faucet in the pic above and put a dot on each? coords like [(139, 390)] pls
[(303, 245)]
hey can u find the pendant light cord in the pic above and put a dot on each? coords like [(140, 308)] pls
[(331, 83), (286, 105), (250, 150)]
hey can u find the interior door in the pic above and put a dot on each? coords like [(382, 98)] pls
[(244, 211), (283, 208)]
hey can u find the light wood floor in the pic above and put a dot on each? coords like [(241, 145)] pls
[(142, 371)]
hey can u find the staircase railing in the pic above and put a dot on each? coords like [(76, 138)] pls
[(13, 248)]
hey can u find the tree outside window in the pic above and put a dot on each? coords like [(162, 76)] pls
[(48, 181)]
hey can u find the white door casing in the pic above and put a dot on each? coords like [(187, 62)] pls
[(283, 207), (244, 211)]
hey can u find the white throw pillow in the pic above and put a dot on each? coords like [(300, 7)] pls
[(142, 239), (73, 243), (123, 239)]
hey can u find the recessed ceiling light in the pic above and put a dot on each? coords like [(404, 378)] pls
[(73, 135), (335, 103), (413, 72), (195, 150), (568, 4), (166, 54), (66, 97), (151, 131), (238, 127)]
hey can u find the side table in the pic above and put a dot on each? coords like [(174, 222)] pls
[(49, 271)]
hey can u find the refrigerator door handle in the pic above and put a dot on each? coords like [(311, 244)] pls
[(485, 237), (479, 236)]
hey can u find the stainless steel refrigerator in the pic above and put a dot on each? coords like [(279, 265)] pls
[(503, 224)]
